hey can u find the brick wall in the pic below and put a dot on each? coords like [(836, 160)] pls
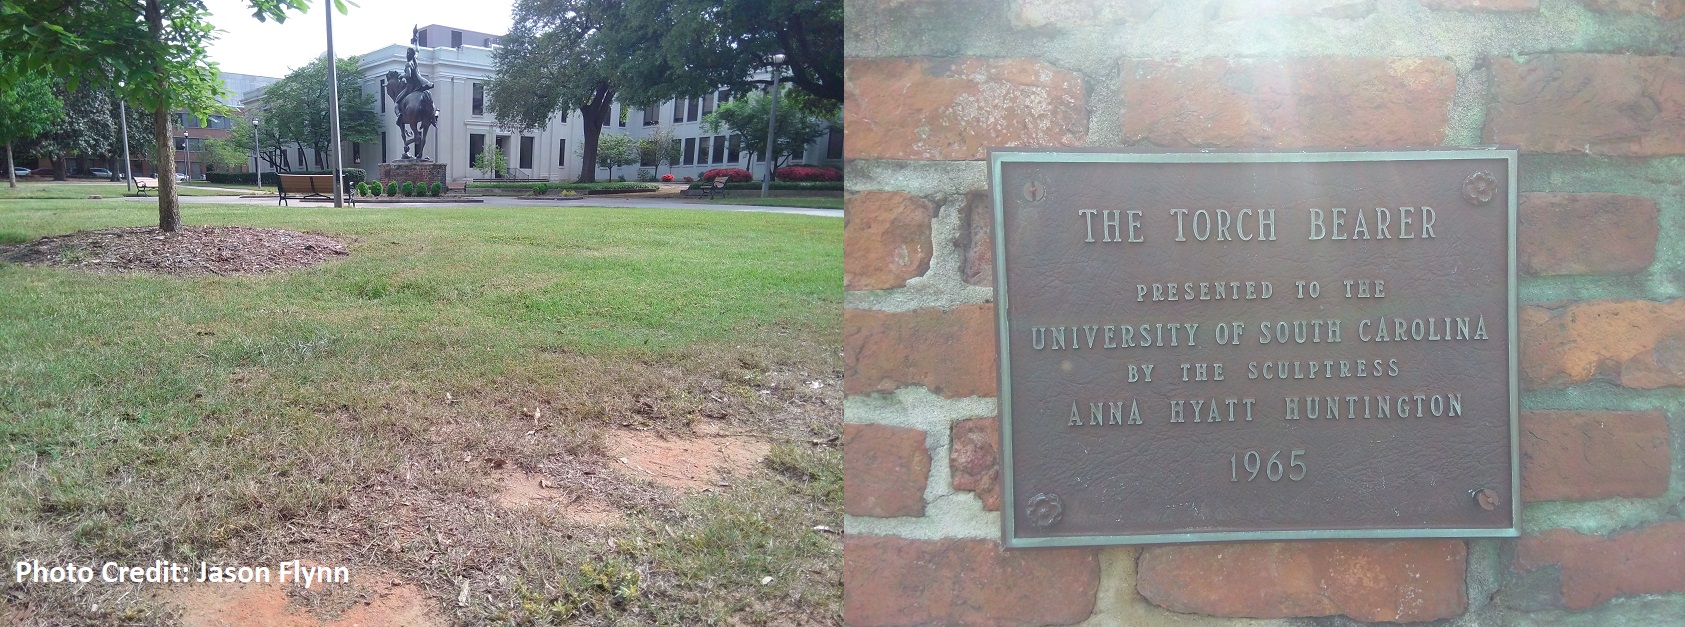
[(1592, 91)]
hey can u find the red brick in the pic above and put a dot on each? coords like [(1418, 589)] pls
[(1253, 9), (885, 470), (1083, 13), (1586, 234), (886, 240), (1589, 455), (895, 581), (1605, 104), (1596, 568), (1482, 5), (1287, 103), (977, 240), (1401, 580), (1636, 343), (1665, 9), (957, 108), (949, 351), (974, 459)]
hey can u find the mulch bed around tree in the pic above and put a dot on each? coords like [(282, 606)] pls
[(191, 251)]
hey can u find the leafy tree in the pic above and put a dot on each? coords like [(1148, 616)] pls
[(227, 154), (614, 150), (27, 109), (725, 42), (492, 161), (658, 148), (567, 55), (156, 48), (297, 108), (747, 118), (86, 127)]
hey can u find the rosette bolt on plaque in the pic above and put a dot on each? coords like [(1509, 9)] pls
[(1486, 498), (1044, 510), (1034, 191)]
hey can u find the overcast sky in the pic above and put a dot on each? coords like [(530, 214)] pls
[(247, 46)]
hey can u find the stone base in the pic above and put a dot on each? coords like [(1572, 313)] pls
[(412, 171)]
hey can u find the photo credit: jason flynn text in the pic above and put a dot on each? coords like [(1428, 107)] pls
[(168, 572)]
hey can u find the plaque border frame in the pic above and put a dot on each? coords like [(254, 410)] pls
[(1009, 513)]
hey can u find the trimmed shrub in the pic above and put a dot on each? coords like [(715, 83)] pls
[(362, 189), (539, 189), (807, 173), (736, 175), (435, 189), (667, 178), (392, 188), (408, 188), (376, 188)]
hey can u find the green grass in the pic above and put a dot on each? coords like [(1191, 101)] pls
[(71, 190), (148, 417), (811, 202)]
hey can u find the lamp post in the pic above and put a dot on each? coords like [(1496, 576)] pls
[(257, 162), (187, 163), (123, 112), (333, 115), (771, 123)]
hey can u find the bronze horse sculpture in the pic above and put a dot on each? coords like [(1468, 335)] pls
[(416, 115)]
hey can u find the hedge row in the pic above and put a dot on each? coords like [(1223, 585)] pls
[(352, 176), (824, 186), (574, 186)]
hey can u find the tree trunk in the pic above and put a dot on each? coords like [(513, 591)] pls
[(169, 213), (592, 116), (11, 169), (59, 170)]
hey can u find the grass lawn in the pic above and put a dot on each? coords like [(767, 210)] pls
[(370, 412), (63, 190), (810, 202)]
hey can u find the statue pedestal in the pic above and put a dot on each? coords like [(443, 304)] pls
[(412, 171)]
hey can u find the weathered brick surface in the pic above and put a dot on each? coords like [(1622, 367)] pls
[(1482, 5), (886, 240), (893, 581), (949, 351), (977, 240), (1589, 455), (1636, 343), (1585, 234), (1083, 13), (885, 469), (1596, 569), (974, 459), (1287, 103), (1665, 9), (1402, 580), (956, 108), (1605, 104), (1253, 9)]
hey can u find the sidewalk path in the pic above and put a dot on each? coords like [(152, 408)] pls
[(514, 201)]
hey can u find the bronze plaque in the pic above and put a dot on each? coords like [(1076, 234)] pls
[(1206, 346)]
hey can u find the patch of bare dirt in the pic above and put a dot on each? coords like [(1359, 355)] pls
[(520, 490), (378, 600), (687, 463), (191, 251)]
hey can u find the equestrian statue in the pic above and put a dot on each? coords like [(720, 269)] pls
[(414, 103)]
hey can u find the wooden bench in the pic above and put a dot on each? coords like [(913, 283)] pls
[(307, 187), (717, 186), (143, 183)]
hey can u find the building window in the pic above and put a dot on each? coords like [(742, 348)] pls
[(691, 105), (421, 40), (834, 144), (652, 115), (383, 158), (526, 153), (678, 147), (476, 145), (734, 149), (679, 110), (798, 154), (625, 112), (356, 152), (609, 119), (690, 151), (383, 95), (562, 154), (725, 96), (719, 149), (708, 105), (181, 144), (456, 39), (564, 117), (702, 149), (479, 99)]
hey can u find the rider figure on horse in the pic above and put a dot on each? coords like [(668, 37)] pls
[(413, 82), (418, 115)]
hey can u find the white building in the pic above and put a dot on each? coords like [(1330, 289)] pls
[(459, 73)]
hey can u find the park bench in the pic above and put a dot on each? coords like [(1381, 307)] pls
[(717, 186), (306, 187), (143, 183)]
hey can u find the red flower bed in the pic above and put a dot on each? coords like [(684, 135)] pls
[(666, 178), (805, 173), (736, 175)]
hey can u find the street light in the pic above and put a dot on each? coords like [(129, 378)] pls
[(187, 161), (771, 123), (257, 165), (123, 111)]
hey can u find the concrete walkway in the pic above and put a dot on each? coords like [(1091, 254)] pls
[(515, 201)]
